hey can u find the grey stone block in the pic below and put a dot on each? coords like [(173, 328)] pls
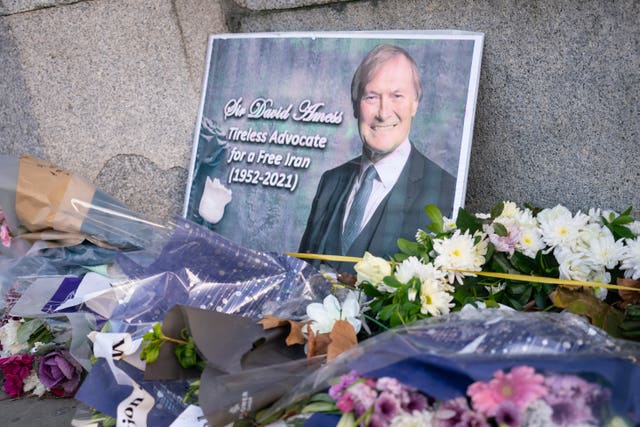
[(19, 129), (281, 4), (136, 181)]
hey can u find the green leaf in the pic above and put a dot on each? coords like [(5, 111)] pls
[(522, 263), (408, 247), (466, 221), (500, 229), (496, 211), (319, 407), (371, 291), (392, 281), (620, 231), (437, 220)]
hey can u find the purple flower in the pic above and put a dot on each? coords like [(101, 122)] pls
[(574, 400), (456, 413), (508, 414), (345, 381), (387, 406), (390, 385), (377, 421), (363, 396), (60, 372), (416, 402)]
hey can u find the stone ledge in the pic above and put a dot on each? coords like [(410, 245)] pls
[(257, 5), (11, 7)]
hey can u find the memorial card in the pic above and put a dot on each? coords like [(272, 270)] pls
[(289, 123)]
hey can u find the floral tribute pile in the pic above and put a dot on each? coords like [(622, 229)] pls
[(519, 397), (173, 325), (506, 258)]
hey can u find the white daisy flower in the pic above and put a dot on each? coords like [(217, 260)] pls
[(459, 252), (434, 299), (559, 227)]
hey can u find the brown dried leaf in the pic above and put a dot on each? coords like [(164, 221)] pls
[(318, 344), (343, 337), (347, 278), (270, 322), (583, 303), (628, 297), (295, 332)]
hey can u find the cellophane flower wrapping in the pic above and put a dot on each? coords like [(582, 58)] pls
[(442, 356)]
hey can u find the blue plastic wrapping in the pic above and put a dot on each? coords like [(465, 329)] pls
[(442, 356)]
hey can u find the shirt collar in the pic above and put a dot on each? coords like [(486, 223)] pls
[(389, 167)]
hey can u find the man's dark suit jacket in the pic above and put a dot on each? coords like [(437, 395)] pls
[(400, 214)]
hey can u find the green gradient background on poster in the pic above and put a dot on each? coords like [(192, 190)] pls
[(289, 70)]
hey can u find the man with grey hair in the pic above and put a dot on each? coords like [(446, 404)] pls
[(369, 202)]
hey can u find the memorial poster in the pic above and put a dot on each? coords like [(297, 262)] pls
[(276, 112)]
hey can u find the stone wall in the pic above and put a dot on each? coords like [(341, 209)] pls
[(110, 89)]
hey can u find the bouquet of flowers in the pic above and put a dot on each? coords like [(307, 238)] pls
[(519, 397), (35, 359), (516, 257)]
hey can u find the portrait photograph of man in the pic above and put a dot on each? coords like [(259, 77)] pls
[(332, 143), (369, 202)]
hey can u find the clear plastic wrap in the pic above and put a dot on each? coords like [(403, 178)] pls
[(441, 356)]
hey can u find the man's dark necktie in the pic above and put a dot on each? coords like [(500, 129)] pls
[(354, 220)]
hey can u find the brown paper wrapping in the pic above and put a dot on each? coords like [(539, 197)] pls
[(46, 199)]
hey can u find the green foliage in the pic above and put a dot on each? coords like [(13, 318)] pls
[(466, 221), (185, 351), (33, 331), (151, 343), (397, 308), (617, 224), (437, 220)]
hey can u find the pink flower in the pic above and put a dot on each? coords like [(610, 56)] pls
[(363, 397), (345, 381), (505, 243), (14, 370), (345, 403), (5, 237), (521, 386)]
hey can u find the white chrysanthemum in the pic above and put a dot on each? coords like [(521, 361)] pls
[(530, 241), (413, 267), (510, 210), (600, 247), (32, 385), (449, 224), (538, 414), (408, 269), (434, 299), (459, 252), (631, 259), (323, 316), (526, 219), (9, 339), (559, 227), (573, 265), (634, 227), (415, 419)]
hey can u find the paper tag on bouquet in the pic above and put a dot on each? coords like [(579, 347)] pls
[(133, 410), (191, 417)]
